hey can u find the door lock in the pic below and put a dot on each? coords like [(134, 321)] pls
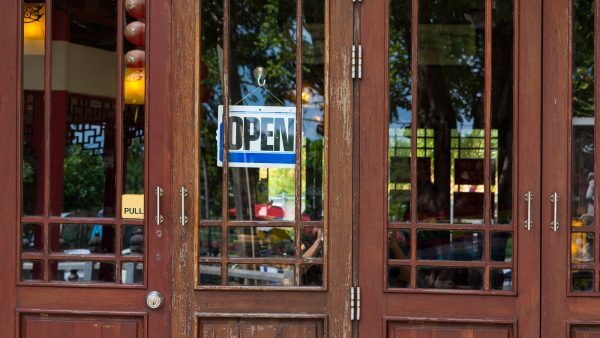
[(154, 300)]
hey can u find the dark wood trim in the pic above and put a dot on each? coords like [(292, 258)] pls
[(489, 73), (372, 175), (298, 140), (414, 126), (158, 268), (9, 145), (119, 105)]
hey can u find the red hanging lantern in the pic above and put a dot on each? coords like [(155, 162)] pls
[(135, 33), (136, 8), (135, 59)]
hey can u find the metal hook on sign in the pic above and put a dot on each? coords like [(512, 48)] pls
[(260, 73)]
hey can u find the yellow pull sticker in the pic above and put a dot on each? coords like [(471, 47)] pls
[(132, 206)]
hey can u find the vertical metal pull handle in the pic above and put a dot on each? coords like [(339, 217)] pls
[(528, 199), (159, 193), (554, 199), (183, 219)]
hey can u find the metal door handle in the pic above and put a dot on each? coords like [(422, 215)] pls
[(183, 219), (528, 199), (159, 193), (554, 199)]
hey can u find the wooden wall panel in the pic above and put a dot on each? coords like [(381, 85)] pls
[(585, 331), (449, 330), (260, 328), (73, 326)]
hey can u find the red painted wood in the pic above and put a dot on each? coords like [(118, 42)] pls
[(9, 147)]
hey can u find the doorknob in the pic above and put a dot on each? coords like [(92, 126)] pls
[(154, 300), (554, 224)]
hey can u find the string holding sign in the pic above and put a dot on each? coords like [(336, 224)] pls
[(260, 74)]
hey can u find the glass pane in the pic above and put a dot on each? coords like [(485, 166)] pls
[(399, 244), (582, 152), (260, 275), (502, 246), (450, 110), (582, 247), (262, 35), (582, 281), (313, 109), (400, 118), (311, 275), (82, 271), (501, 279), (32, 271), (501, 178), (133, 240), (133, 157), (399, 276), (583, 58), (82, 239), (582, 180), (210, 274), (84, 90), (32, 237), (449, 278), (132, 273), (312, 242), (261, 242), (210, 242), (450, 245), (34, 50), (211, 96), (134, 97)]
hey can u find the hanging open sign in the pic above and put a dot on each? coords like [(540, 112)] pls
[(259, 137)]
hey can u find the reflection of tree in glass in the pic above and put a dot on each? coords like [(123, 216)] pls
[(262, 34), (84, 180), (583, 58), (211, 47)]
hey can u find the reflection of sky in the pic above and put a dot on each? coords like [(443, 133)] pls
[(465, 127), (312, 113)]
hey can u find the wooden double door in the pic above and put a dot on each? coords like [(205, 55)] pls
[(477, 169), (260, 169), (176, 168)]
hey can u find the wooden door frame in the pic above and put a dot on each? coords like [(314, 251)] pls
[(338, 203), (372, 192), (9, 145), (158, 162)]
